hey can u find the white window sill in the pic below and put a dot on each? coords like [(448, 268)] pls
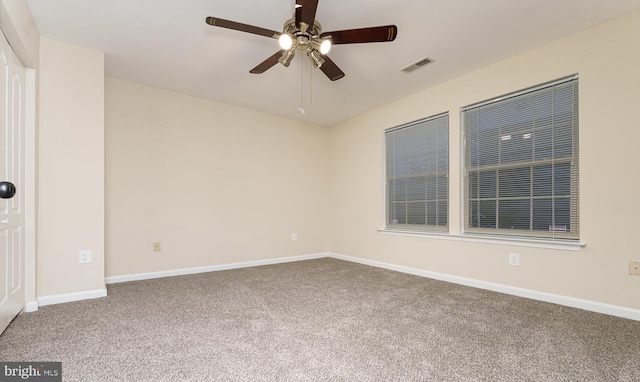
[(513, 241)]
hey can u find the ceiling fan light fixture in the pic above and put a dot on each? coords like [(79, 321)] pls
[(287, 57), (321, 45), (325, 47), (285, 41), (315, 57)]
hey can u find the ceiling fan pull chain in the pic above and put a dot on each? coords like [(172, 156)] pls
[(301, 109), (310, 85)]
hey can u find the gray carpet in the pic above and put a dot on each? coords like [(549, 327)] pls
[(321, 320)]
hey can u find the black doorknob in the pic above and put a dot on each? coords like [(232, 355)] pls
[(7, 190)]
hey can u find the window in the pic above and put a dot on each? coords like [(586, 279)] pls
[(521, 163), (417, 175)]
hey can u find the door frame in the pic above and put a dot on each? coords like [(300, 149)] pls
[(30, 190)]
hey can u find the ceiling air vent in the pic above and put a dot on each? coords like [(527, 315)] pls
[(417, 65)]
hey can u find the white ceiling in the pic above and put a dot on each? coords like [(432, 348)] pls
[(166, 44)]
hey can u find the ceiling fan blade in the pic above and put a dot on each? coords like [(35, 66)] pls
[(217, 22), (331, 70), (362, 35), (306, 13), (267, 64), (298, 13)]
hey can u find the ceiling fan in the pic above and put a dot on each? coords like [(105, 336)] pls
[(304, 33)]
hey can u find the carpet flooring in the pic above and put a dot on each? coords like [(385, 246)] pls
[(321, 320)]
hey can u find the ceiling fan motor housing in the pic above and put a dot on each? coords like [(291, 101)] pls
[(302, 39)]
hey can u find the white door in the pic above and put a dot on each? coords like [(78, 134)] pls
[(12, 82)]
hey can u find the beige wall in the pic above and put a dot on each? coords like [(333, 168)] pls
[(606, 58), (214, 184), (71, 169)]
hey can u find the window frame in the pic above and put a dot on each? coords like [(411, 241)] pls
[(387, 194), (573, 234)]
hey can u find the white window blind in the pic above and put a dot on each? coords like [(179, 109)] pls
[(417, 175), (521, 163)]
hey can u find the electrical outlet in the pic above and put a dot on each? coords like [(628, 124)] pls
[(84, 257), (634, 268), (514, 259), (156, 247), (294, 237)]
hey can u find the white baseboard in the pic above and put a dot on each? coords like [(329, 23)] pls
[(212, 268), (612, 310), (32, 306), (69, 297)]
